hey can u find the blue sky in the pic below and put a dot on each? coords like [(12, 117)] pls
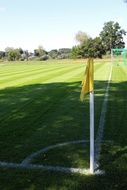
[(54, 23)]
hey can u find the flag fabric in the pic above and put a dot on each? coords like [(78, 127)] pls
[(87, 83)]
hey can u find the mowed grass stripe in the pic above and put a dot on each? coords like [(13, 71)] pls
[(42, 76), (15, 69), (24, 73), (99, 72), (35, 95), (66, 77), (49, 75), (24, 68), (47, 105), (12, 69), (80, 76), (19, 70)]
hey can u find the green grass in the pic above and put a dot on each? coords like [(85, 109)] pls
[(45, 109), (40, 106), (69, 156), (116, 123)]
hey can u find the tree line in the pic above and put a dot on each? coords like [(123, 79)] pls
[(39, 54), (110, 37)]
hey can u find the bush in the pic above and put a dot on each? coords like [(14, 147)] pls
[(44, 58)]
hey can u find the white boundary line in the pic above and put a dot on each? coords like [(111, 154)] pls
[(45, 167), (100, 132), (26, 163)]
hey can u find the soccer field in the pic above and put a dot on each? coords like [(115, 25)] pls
[(40, 107)]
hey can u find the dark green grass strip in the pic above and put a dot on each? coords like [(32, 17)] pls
[(67, 156), (12, 179)]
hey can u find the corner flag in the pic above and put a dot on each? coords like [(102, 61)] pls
[(88, 87), (87, 83)]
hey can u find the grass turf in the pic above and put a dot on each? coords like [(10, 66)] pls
[(39, 106), (114, 154), (42, 107)]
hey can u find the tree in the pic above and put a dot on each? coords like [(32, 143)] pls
[(92, 48), (25, 55), (18, 53), (64, 53), (40, 51), (112, 36), (12, 54), (53, 53), (81, 37), (2, 54), (76, 52)]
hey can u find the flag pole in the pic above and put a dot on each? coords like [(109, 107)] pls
[(88, 87), (92, 132)]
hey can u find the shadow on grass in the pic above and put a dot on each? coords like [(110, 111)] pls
[(35, 116), (35, 180), (114, 155)]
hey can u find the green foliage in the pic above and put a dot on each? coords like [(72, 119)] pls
[(2, 54), (13, 54), (76, 52), (44, 58), (64, 53), (53, 53), (112, 36), (40, 52), (92, 48)]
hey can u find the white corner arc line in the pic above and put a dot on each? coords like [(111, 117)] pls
[(26, 163), (28, 159)]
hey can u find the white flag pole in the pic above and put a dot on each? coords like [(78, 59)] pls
[(92, 132)]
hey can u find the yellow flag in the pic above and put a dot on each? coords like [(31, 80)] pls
[(87, 83)]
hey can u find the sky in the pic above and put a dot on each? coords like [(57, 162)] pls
[(53, 24)]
